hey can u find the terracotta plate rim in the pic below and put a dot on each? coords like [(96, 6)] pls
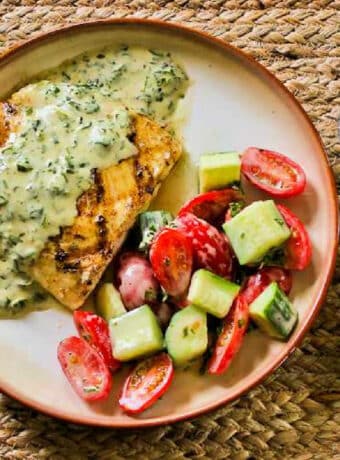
[(249, 61)]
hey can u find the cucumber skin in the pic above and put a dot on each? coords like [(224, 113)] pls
[(275, 314), (179, 339), (149, 223)]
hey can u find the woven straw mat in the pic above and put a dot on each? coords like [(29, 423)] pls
[(295, 413)]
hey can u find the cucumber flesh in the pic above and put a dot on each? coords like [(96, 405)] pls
[(135, 334), (218, 170), (108, 302), (149, 223), (186, 337), (212, 293), (274, 313), (255, 230)]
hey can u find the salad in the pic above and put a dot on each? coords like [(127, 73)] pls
[(186, 288)]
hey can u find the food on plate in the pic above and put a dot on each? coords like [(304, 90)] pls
[(298, 250), (186, 337), (273, 172), (229, 340), (194, 282), (255, 230), (257, 283), (85, 369), (212, 293), (171, 257), (210, 247), (71, 265), (147, 382), (212, 206), (135, 334), (273, 312), (136, 280), (95, 330), (149, 223), (219, 170), (109, 304), (84, 149)]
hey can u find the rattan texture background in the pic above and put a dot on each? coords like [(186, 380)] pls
[(295, 414)]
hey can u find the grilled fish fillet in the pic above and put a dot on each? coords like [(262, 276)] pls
[(71, 264)]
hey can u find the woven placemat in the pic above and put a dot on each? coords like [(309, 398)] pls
[(295, 414)]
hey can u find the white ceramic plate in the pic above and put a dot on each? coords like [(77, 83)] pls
[(233, 103)]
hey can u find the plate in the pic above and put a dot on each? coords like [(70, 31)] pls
[(233, 102)]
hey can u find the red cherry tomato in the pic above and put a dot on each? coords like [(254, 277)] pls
[(211, 248), (273, 172), (298, 249), (85, 369), (212, 206), (171, 259), (95, 331), (230, 339), (148, 381), (261, 279)]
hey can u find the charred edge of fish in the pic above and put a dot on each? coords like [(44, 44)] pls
[(70, 267), (102, 231), (149, 189), (97, 179), (132, 137), (145, 180), (60, 255), (139, 170), (149, 184), (78, 236)]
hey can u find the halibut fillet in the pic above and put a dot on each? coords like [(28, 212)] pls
[(72, 263)]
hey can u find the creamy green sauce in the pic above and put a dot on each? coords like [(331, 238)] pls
[(73, 119)]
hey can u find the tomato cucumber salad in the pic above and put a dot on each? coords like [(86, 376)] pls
[(186, 288)]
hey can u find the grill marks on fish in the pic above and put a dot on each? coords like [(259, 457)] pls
[(71, 264)]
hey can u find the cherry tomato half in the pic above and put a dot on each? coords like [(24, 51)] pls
[(171, 259), (211, 248), (261, 279), (230, 338), (212, 206), (95, 331), (85, 369), (147, 382), (298, 249), (273, 172)]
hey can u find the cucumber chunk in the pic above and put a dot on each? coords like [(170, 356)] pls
[(212, 293), (274, 313), (186, 337), (135, 334), (255, 230), (149, 223), (108, 302), (218, 170)]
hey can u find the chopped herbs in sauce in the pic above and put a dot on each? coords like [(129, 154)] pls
[(72, 120)]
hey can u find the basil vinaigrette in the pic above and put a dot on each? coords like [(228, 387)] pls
[(75, 118)]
